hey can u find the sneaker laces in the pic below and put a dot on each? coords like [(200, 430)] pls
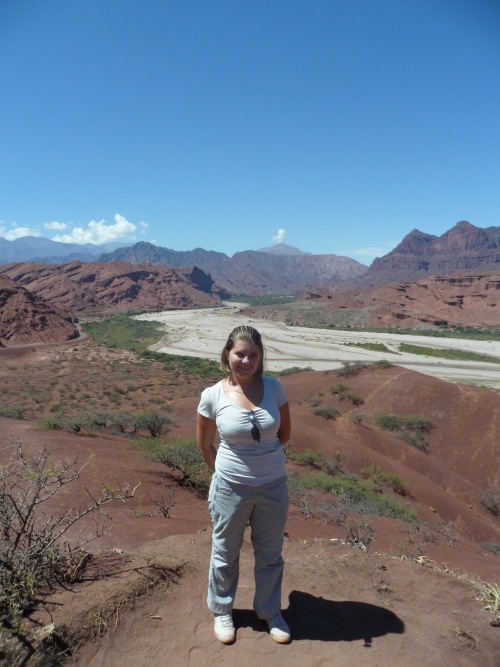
[(225, 620)]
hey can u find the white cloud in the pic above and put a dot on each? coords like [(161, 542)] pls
[(98, 232), (59, 226), (144, 226), (16, 232), (280, 236)]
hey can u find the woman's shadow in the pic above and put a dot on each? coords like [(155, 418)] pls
[(316, 618)]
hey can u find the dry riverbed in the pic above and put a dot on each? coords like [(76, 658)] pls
[(202, 333)]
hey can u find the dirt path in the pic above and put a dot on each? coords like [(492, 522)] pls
[(344, 609)]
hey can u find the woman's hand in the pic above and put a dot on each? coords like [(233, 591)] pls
[(285, 428)]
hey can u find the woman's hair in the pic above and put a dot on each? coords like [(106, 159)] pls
[(249, 335)]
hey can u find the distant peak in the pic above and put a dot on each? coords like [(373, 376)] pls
[(463, 224), (283, 249)]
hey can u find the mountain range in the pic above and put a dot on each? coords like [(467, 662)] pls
[(39, 249), (283, 268), (429, 281)]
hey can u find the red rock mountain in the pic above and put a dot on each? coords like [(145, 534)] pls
[(472, 299), (116, 286), (438, 301), (463, 249), (26, 318)]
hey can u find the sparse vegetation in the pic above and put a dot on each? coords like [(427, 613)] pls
[(325, 412), (332, 466), (127, 333), (267, 300), (410, 429), (350, 368), (13, 411), (345, 393), (489, 595), (382, 479), (154, 421), (357, 497), (184, 457), (293, 370), (491, 500), (373, 347), (457, 355), (382, 363), (494, 548), (448, 331)]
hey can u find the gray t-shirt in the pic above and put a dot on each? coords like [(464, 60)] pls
[(240, 459)]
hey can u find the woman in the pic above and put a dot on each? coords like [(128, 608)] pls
[(251, 413)]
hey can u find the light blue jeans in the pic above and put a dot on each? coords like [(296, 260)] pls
[(233, 507)]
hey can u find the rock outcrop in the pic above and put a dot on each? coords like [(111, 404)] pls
[(471, 300), (116, 286), (439, 301), (26, 318)]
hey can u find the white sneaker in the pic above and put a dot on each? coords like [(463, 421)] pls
[(279, 629), (224, 628)]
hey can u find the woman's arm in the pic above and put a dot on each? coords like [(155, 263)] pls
[(285, 428), (205, 435)]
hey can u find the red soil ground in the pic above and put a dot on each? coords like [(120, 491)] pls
[(405, 601)]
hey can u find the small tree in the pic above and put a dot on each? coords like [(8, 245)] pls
[(34, 555), (155, 422)]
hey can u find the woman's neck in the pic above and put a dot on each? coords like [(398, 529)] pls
[(237, 383)]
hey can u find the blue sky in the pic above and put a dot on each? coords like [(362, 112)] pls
[(336, 126)]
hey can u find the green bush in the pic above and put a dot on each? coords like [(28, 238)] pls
[(325, 413), (415, 440), (350, 368), (410, 429), (293, 370), (308, 457), (398, 483), (154, 421), (392, 507), (185, 457), (13, 411), (51, 423), (345, 393), (382, 363), (389, 421), (490, 499), (381, 479)]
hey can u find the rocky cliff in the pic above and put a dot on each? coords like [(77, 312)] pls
[(26, 318), (462, 249), (116, 286), (471, 300)]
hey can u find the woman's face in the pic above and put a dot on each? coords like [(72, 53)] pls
[(243, 359)]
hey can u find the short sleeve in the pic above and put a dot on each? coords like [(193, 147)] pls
[(206, 404), (281, 397)]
